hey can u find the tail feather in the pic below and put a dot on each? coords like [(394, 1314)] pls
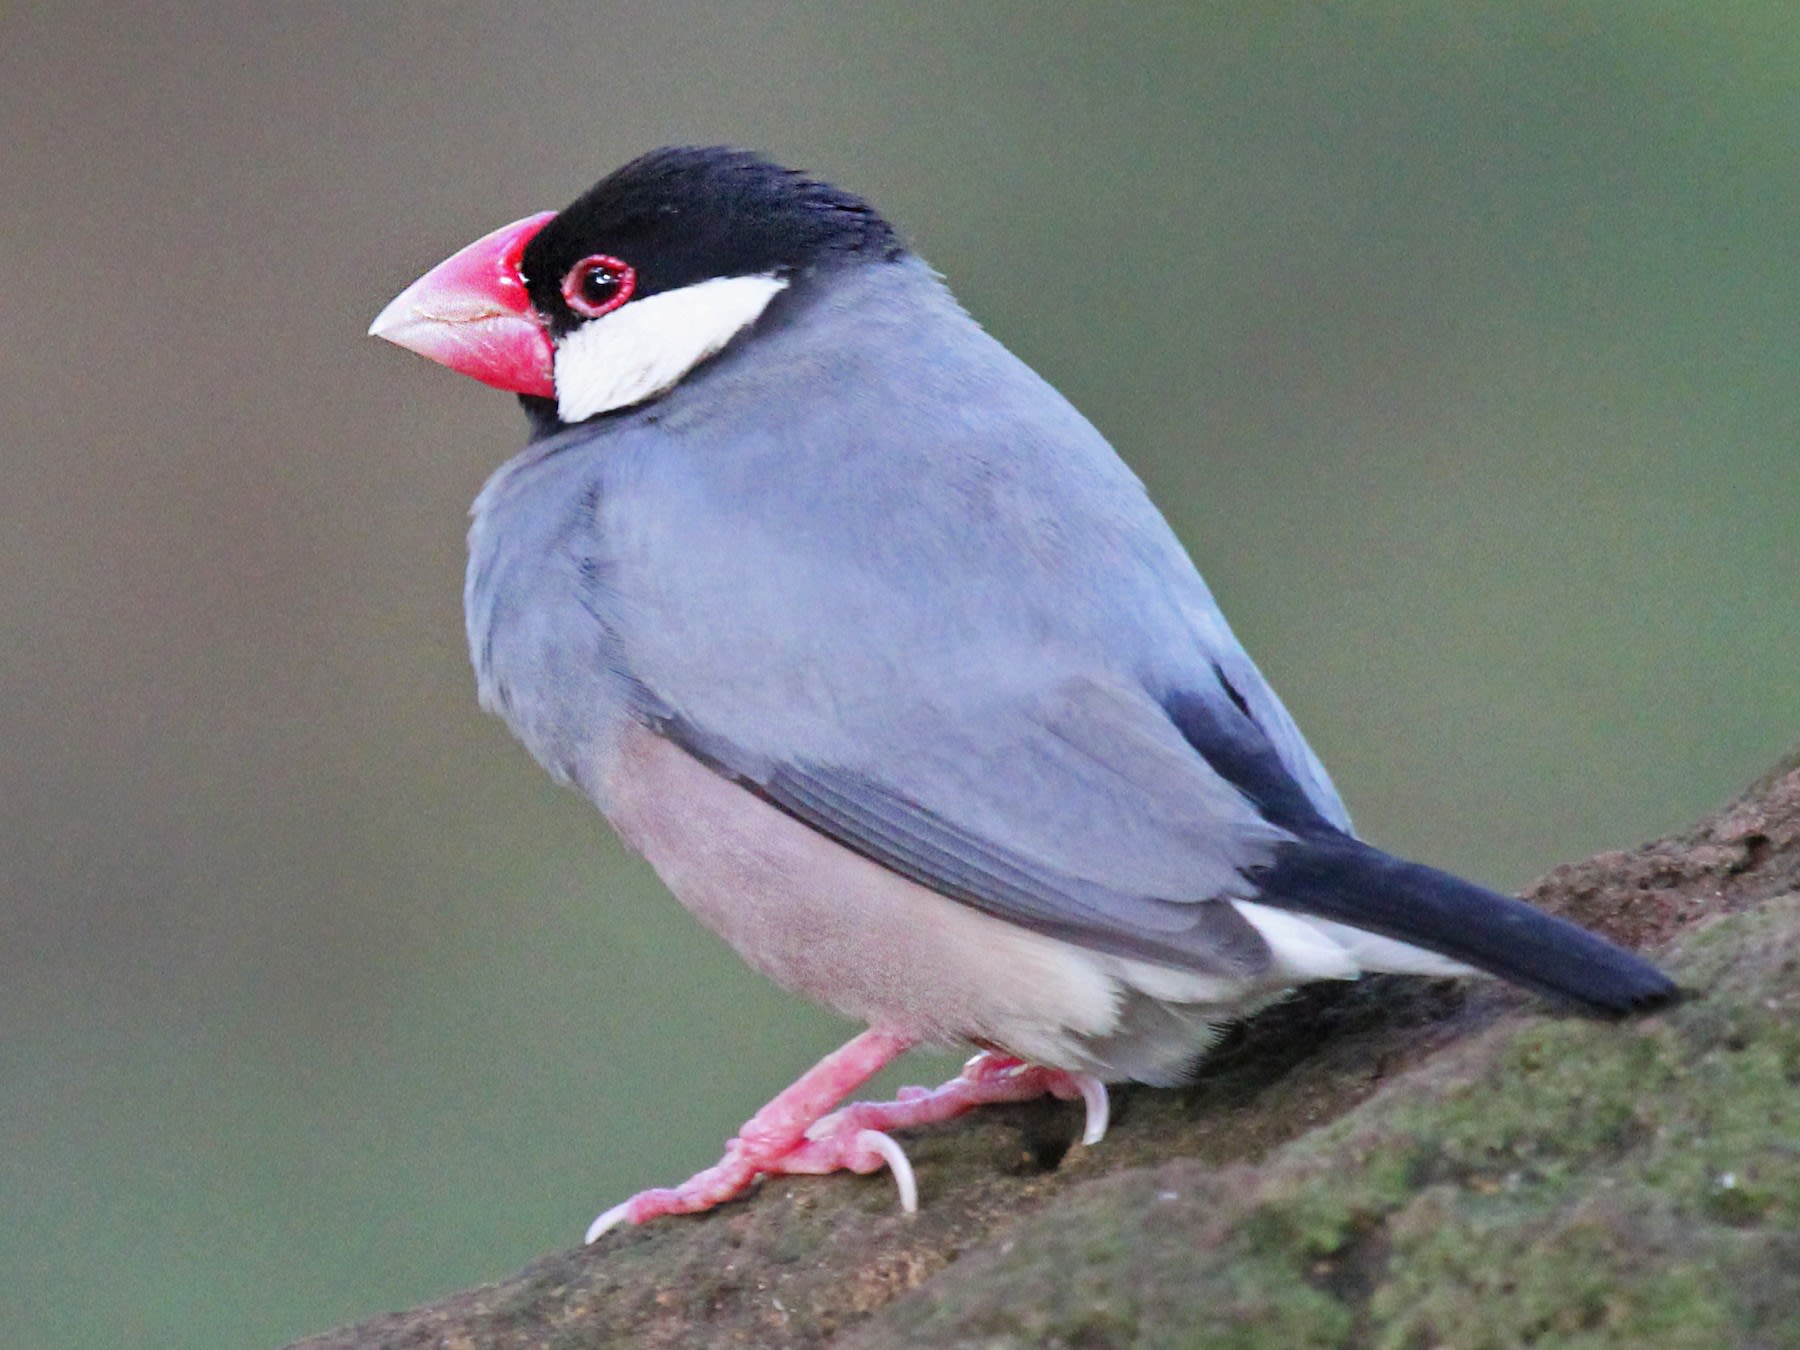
[(1345, 880)]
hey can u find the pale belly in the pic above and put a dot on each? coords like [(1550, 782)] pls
[(832, 925)]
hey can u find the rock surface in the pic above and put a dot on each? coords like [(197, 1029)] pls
[(1396, 1163)]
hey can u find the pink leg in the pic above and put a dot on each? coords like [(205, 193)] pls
[(794, 1135), (987, 1079), (770, 1136)]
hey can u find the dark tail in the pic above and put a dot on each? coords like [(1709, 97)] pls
[(1345, 880)]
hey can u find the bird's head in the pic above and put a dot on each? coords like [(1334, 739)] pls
[(613, 300)]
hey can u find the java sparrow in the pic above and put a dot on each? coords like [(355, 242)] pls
[(876, 650)]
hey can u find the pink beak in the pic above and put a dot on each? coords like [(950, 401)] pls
[(471, 313)]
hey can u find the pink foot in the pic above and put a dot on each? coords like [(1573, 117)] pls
[(766, 1143), (793, 1135), (987, 1079)]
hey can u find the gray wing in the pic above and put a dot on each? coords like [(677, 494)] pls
[(1095, 822)]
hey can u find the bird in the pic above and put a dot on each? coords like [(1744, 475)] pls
[(876, 649)]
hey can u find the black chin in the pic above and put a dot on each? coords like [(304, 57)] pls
[(541, 414)]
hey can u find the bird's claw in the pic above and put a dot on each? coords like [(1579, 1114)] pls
[(858, 1138), (600, 1227), (897, 1163), (847, 1147), (1099, 1108)]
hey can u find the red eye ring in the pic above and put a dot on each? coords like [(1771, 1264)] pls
[(598, 284)]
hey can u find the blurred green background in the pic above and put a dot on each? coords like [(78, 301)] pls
[(1461, 343)]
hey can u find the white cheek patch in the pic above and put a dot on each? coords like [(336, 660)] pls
[(645, 346)]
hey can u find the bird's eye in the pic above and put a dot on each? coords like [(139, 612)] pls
[(598, 284)]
